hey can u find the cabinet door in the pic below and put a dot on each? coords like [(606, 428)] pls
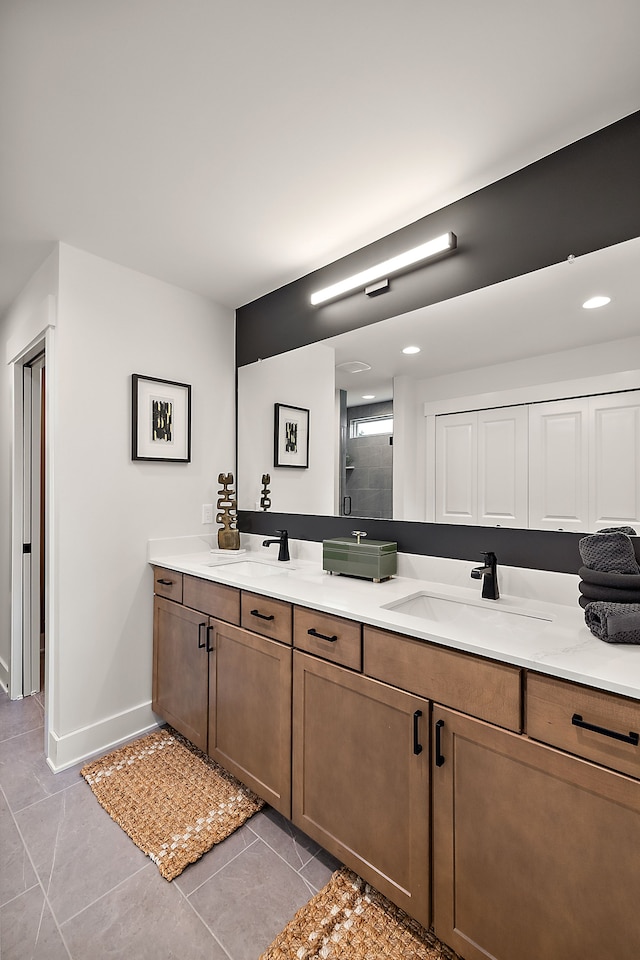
[(535, 851), (481, 467), (559, 465), (180, 669), (503, 449), (250, 711), (614, 460), (456, 468), (361, 777)]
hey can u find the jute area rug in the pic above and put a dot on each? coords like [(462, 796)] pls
[(171, 799), (350, 920)]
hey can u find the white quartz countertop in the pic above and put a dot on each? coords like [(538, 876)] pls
[(550, 638)]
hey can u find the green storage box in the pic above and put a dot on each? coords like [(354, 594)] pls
[(372, 559)]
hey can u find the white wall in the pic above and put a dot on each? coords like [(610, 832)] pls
[(24, 322), (302, 378), (112, 322)]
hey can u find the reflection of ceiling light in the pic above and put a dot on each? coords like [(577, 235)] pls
[(382, 270), (368, 396), (353, 366), (596, 302), (411, 350)]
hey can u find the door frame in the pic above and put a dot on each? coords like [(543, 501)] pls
[(42, 329)]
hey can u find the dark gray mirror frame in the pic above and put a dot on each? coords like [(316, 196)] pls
[(580, 199)]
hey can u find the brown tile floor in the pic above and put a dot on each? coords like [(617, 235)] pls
[(72, 884)]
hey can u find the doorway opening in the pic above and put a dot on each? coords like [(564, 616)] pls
[(34, 627)]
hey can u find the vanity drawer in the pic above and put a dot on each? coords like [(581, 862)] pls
[(329, 637), (552, 705), (271, 618), (216, 599), (167, 583), (482, 688)]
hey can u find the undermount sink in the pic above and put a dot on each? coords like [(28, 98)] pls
[(252, 568), (426, 606)]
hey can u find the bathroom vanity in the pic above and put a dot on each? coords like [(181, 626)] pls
[(476, 761)]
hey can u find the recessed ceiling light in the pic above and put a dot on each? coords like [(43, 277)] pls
[(368, 396), (596, 302), (411, 350)]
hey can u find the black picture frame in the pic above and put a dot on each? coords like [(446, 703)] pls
[(291, 436), (160, 419)]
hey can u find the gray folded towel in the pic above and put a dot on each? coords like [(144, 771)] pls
[(593, 591), (614, 622), (618, 581), (609, 552), (628, 530)]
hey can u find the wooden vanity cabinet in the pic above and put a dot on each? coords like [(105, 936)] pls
[(180, 669), (361, 777), (226, 689), (250, 711), (535, 851)]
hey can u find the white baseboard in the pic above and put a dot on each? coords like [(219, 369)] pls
[(80, 745)]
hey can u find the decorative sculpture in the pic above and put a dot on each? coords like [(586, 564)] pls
[(228, 536), (265, 499)]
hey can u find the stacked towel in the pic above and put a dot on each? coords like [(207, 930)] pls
[(609, 553), (610, 585), (614, 622)]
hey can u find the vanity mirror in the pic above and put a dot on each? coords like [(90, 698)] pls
[(523, 342)]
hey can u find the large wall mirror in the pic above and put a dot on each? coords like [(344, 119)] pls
[(372, 408)]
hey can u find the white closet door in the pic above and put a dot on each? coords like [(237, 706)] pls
[(503, 452), (614, 469), (559, 465), (456, 468)]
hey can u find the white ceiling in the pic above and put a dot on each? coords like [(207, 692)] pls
[(231, 147)]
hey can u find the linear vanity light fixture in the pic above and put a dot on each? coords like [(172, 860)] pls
[(448, 241)]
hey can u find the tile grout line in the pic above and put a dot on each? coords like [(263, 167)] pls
[(284, 860), (45, 897), (200, 918), (107, 892), (216, 872)]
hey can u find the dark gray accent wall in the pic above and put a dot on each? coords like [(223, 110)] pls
[(577, 200)]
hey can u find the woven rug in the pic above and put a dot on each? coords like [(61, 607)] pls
[(350, 920), (171, 799)]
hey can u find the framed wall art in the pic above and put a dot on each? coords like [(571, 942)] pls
[(291, 436), (160, 419)]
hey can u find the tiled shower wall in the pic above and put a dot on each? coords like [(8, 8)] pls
[(370, 482)]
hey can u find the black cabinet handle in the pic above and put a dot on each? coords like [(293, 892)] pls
[(165, 583), (417, 746), (346, 506), (201, 642), (263, 616), (321, 636), (210, 647), (439, 756), (630, 737)]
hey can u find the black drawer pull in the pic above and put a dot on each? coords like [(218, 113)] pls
[(439, 755), (166, 583), (201, 643), (210, 647), (417, 746), (630, 737), (263, 616), (321, 636)]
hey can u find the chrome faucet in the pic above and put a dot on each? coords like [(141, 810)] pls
[(283, 543), (489, 575)]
